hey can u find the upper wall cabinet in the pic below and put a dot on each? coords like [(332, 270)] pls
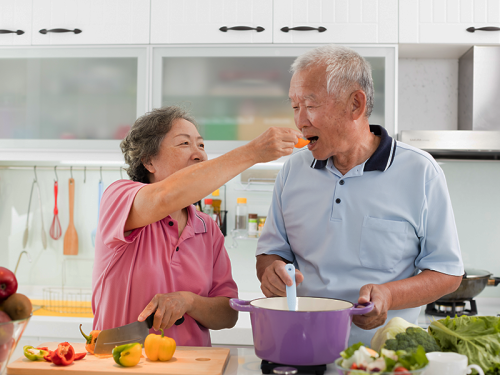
[(335, 21), (77, 22), (15, 22), (211, 21), (449, 21)]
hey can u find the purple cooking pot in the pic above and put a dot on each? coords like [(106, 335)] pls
[(315, 334)]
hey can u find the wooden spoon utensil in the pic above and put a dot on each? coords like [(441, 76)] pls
[(71, 237)]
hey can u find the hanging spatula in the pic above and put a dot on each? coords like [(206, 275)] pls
[(25, 235), (44, 236), (71, 237)]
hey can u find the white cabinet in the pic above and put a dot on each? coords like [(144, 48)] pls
[(336, 21), (447, 21), (211, 21), (15, 22), (78, 22)]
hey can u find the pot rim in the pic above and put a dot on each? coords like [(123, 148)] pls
[(305, 297), (473, 273)]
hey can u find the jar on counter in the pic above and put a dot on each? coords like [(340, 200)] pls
[(241, 217), (260, 225), (252, 225)]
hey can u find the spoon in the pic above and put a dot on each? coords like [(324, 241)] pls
[(291, 291), (302, 142)]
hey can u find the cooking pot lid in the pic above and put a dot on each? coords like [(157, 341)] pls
[(305, 304), (471, 273)]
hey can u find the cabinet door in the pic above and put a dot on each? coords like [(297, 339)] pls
[(336, 21), (91, 22), (211, 21), (447, 21), (15, 22)]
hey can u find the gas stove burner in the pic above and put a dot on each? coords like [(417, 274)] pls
[(269, 368), (451, 308)]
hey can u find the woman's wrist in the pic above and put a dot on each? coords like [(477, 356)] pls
[(189, 299)]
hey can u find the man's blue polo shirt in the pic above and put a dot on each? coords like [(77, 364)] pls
[(386, 219)]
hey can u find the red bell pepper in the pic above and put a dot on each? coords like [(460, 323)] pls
[(64, 355)]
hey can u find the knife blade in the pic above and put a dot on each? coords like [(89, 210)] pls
[(108, 339)]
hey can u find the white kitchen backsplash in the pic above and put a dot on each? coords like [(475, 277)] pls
[(428, 94)]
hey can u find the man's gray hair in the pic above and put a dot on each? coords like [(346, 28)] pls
[(344, 69)]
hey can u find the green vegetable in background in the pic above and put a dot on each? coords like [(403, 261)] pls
[(414, 359), (477, 337), (389, 331), (348, 353), (411, 339)]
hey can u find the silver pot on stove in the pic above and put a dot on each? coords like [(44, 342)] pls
[(473, 283)]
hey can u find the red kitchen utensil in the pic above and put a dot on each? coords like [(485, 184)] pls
[(55, 229)]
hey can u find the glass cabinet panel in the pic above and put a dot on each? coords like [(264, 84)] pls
[(58, 93), (237, 93)]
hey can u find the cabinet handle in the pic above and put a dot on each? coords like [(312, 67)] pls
[(303, 28), (18, 32), (488, 28), (241, 28), (45, 31)]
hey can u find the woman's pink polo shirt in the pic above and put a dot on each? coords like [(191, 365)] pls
[(129, 271)]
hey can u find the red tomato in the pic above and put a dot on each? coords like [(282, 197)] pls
[(401, 370), (354, 366)]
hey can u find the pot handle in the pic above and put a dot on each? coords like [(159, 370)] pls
[(240, 305), (493, 281), (367, 307)]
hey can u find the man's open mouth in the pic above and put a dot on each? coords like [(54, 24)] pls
[(313, 140)]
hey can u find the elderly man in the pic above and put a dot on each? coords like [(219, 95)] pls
[(363, 217)]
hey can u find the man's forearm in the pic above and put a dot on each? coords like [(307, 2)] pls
[(424, 288), (264, 261)]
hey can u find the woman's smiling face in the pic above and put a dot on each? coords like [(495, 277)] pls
[(182, 146)]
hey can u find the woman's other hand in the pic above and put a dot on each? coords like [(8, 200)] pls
[(274, 143), (169, 308)]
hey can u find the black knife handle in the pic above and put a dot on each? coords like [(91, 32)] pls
[(150, 319), (286, 29), (18, 32), (45, 31), (487, 28)]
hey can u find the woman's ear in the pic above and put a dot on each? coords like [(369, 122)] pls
[(149, 166)]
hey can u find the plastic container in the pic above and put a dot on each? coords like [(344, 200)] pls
[(241, 216), (208, 209), (260, 225), (345, 371), (252, 225)]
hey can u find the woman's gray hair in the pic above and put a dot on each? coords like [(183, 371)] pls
[(144, 139), (344, 68)]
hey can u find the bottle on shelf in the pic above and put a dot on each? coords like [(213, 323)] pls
[(260, 226), (241, 217), (252, 225), (209, 210)]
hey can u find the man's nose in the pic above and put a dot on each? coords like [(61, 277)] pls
[(301, 119)]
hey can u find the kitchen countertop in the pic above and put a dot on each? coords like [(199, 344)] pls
[(239, 339)]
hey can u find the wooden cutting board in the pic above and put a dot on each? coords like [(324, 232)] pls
[(187, 360)]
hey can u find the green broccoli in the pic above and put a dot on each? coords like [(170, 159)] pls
[(411, 339)]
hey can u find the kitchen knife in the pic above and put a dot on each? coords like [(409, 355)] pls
[(108, 339)]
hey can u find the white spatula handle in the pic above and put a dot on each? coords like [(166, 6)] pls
[(291, 291)]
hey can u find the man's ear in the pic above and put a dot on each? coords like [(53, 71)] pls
[(358, 104)]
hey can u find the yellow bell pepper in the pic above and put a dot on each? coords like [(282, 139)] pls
[(159, 347)]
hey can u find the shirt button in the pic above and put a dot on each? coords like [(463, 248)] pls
[(337, 200), (177, 248), (170, 223), (341, 182)]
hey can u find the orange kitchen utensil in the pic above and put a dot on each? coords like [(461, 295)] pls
[(302, 142), (55, 229), (71, 237)]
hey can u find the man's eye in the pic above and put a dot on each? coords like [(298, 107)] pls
[(202, 145)]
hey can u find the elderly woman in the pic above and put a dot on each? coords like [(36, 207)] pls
[(154, 252)]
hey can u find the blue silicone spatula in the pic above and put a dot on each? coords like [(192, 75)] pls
[(291, 291)]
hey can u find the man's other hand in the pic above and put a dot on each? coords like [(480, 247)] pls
[(381, 297), (275, 278)]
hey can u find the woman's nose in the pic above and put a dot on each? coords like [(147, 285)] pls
[(198, 154)]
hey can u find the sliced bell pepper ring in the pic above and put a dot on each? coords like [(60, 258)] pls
[(64, 355), (91, 340), (35, 354)]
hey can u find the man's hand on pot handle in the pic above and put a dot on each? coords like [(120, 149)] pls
[(381, 297), (275, 277)]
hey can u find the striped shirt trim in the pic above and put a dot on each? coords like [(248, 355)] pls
[(381, 159), (203, 221)]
